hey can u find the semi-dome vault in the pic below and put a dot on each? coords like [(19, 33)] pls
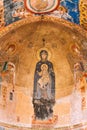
[(20, 47)]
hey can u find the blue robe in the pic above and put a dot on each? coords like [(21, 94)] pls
[(43, 107), (37, 77)]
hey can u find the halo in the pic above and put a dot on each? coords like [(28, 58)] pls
[(38, 53), (75, 49), (46, 66)]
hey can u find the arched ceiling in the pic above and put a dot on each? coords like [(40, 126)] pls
[(21, 42), (20, 46), (71, 10)]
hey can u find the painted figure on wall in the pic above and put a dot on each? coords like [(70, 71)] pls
[(62, 12), (44, 88), (8, 73), (78, 97)]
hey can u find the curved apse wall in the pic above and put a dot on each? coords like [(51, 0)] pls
[(20, 47)]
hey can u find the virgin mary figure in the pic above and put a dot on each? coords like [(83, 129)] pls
[(44, 88)]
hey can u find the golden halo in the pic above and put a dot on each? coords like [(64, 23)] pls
[(39, 50), (74, 48), (44, 66), (10, 49)]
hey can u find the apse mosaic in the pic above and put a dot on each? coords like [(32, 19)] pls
[(43, 64), (71, 10), (43, 75)]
